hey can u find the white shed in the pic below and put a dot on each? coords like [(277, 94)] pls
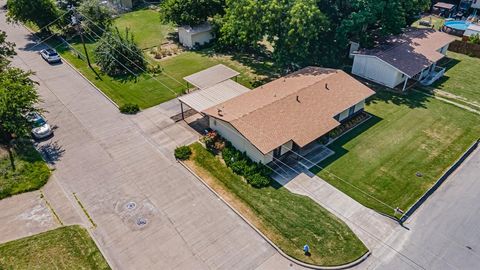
[(195, 36), (473, 29)]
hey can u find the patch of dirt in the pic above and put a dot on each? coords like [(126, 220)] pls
[(3, 153)]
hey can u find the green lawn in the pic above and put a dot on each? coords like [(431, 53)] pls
[(289, 220), (64, 248), (146, 26), (31, 171), (462, 77), (436, 21), (408, 134)]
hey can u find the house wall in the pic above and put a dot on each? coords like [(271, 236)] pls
[(287, 147), (444, 49), (228, 132), (201, 38), (374, 69), (345, 114), (476, 4)]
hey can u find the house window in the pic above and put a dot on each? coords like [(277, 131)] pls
[(214, 122)]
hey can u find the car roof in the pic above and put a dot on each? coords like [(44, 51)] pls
[(50, 51)]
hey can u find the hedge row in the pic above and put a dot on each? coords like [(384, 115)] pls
[(256, 174)]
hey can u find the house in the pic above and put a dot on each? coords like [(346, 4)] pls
[(472, 30), (411, 55), (195, 36), (444, 9), (289, 113)]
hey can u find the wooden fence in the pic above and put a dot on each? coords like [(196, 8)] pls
[(465, 48)]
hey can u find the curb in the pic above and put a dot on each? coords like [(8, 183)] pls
[(74, 68), (286, 256)]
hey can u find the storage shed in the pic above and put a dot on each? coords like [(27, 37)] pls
[(191, 37)]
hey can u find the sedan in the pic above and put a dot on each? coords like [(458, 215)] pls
[(50, 55), (40, 128)]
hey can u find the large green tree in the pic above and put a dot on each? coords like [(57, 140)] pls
[(119, 55), (97, 16), (190, 12), (39, 12), (6, 50)]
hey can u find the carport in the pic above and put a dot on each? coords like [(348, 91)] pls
[(213, 86)]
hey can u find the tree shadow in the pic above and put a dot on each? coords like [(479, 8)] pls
[(52, 152), (410, 98)]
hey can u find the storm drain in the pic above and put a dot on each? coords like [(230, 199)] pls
[(141, 222), (131, 205)]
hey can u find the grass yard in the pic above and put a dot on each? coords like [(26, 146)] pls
[(31, 171), (408, 134), (146, 26), (289, 220), (146, 91), (436, 21), (462, 77), (63, 248)]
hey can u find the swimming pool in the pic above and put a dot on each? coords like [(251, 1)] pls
[(457, 25)]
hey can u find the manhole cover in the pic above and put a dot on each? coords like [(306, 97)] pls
[(141, 222), (131, 205)]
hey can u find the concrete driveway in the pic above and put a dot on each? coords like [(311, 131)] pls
[(150, 213)]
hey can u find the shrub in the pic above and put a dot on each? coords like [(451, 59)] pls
[(256, 174), (183, 152), (258, 181), (129, 108)]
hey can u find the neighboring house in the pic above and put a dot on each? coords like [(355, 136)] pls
[(126, 4), (475, 4), (472, 29), (289, 113), (411, 55), (444, 9), (195, 36)]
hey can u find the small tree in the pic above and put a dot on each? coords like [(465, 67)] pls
[(190, 12), (118, 55), (39, 12), (6, 50), (474, 39), (98, 16), (17, 98)]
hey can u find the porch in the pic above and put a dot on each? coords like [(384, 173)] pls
[(434, 74)]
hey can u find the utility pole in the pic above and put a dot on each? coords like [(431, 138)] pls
[(78, 26)]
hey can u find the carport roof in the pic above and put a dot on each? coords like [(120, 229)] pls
[(203, 99), (211, 76)]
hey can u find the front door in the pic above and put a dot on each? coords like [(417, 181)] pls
[(277, 152)]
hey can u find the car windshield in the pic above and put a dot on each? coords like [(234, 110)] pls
[(51, 53), (39, 122)]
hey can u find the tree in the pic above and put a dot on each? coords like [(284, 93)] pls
[(474, 39), (39, 12), (6, 50), (119, 55), (17, 98), (190, 12), (97, 16)]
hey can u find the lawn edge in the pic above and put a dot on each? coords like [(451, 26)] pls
[(298, 262)]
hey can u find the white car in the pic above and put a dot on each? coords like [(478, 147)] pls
[(50, 55), (40, 128)]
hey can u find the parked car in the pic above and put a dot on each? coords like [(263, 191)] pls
[(40, 128), (50, 55)]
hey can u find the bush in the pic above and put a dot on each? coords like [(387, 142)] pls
[(256, 174), (129, 108), (183, 152)]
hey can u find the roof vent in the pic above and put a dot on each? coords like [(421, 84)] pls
[(298, 99), (220, 112), (326, 86)]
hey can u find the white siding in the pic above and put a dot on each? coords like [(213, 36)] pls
[(241, 143), (444, 49), (476, 4), (201, 38), (360, 106), (372, 68), (287, 147), (343, 115)]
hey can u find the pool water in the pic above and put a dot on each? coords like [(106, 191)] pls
[(458, 25)]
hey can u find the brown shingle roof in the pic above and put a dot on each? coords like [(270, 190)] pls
[(299, 107), (413, 50), (444, 5)]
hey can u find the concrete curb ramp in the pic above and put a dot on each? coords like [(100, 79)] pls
[(300, 263)]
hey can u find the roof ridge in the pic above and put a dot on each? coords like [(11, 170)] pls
[(289, 95)]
